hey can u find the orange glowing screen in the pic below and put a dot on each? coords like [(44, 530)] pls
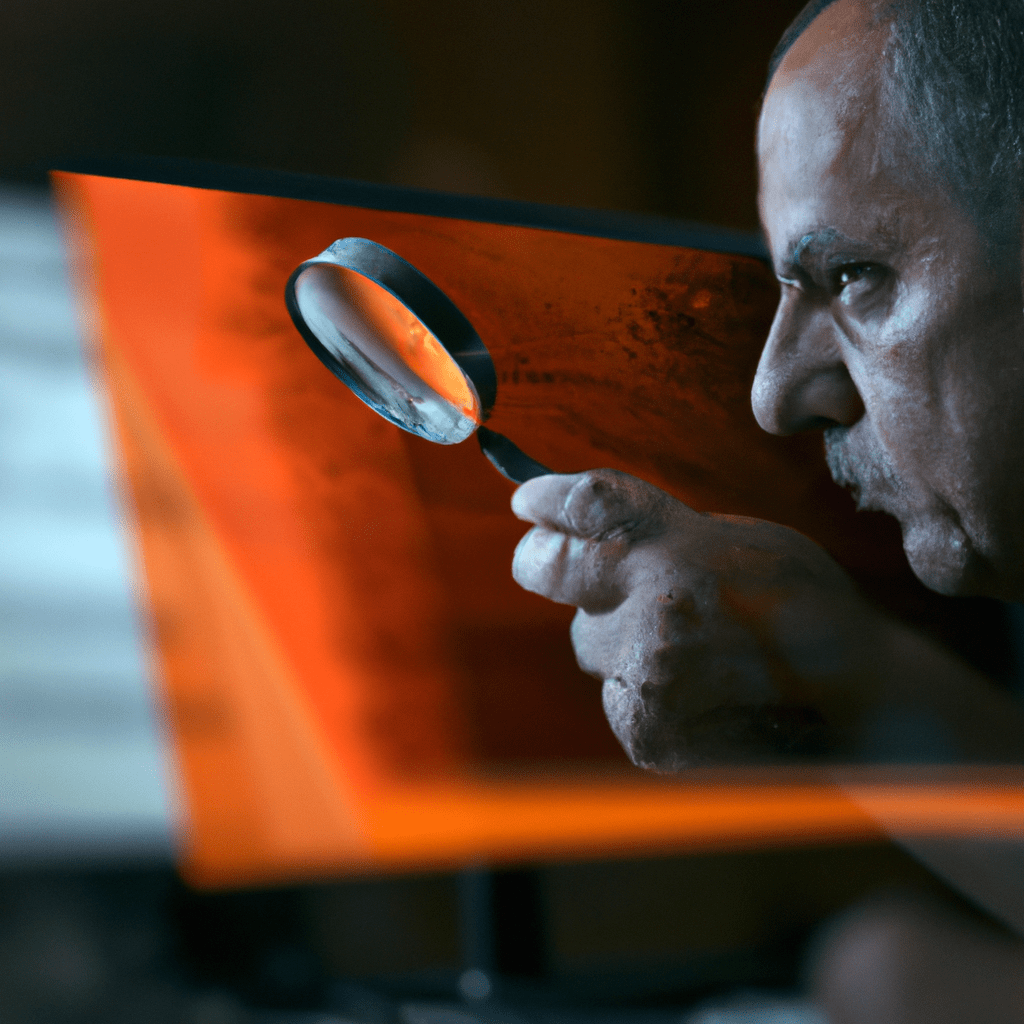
[(351, 679)]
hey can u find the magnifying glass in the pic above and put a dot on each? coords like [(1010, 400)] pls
[(403, 347)]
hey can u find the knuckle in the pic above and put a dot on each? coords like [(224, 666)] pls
[(602, 502)]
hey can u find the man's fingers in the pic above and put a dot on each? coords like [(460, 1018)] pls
[(569, 570), (586, 525), (597, 641), (627, 641), (598, 504)]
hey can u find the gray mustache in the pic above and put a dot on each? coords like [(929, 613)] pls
[(863, 473)]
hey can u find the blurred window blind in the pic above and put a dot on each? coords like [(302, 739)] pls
[(83, 772)]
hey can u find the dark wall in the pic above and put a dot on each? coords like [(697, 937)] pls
[(630, 104)]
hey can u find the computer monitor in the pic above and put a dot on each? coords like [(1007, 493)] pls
[(351, 680)]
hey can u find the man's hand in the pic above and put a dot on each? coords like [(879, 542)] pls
[(715, 636)]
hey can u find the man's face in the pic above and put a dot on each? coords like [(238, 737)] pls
[(896, 331)]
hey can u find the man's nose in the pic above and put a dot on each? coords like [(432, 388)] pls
[(802, 382)]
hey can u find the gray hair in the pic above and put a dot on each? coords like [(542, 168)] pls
[(954, 74)]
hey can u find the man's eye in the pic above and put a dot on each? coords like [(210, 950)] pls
[(852, 273)]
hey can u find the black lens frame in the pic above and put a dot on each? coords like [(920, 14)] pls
[(421, 297)]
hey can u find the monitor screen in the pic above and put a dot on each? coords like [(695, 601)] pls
[(350, 678)]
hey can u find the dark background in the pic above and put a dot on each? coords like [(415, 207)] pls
[(645, 105)]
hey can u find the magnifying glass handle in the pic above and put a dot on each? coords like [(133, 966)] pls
[(509, 460)]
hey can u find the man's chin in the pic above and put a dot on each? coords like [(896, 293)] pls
[(942, 558)]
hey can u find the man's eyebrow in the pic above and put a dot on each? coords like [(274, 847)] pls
[(807, 250)]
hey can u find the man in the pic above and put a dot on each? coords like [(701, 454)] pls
[(891, 156), (899, 331)]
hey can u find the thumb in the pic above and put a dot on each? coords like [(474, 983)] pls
[(601, 504), (586, 527)]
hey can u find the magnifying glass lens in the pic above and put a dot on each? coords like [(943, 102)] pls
[(387, 355)]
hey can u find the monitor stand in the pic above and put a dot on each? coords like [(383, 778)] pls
[(501, 920)]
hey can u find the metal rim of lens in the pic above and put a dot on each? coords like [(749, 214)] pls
[(417, 293)]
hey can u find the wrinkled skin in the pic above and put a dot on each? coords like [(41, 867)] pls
[(901, 336), (898, 331), (704, 629), (719, 638)]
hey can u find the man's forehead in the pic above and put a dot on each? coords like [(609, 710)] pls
[(811, 155), (829, 80), (802, 116), (822, 136), (841, 47)]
